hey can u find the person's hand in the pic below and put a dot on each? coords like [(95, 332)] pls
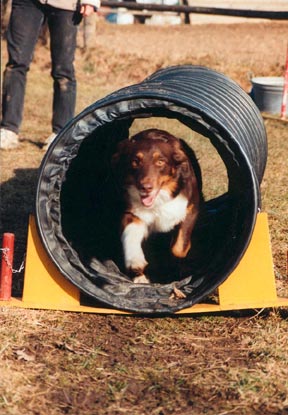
[(86, 10)]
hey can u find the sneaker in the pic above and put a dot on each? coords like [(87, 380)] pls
[(8, 139), (48, 141)]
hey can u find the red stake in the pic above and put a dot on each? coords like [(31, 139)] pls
[(7, 266), (285, 90)]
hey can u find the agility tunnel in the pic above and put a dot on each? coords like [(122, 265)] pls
[(76, 199)]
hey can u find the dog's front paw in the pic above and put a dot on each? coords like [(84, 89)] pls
[(136, 264), (141, 279)]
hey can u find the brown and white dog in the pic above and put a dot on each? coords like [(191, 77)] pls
[(161, 192)]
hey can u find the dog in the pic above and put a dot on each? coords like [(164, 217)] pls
[(162, 191)]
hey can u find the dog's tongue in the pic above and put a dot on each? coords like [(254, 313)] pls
[(148, 200)]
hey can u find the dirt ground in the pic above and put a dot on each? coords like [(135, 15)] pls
[(63, 363)]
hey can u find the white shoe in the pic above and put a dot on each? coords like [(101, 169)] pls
[(48, 141), (8, 139)]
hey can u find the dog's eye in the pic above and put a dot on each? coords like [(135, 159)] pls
[(160, 163), (135, 163)]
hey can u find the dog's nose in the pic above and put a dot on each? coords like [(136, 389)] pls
[(146, 187)]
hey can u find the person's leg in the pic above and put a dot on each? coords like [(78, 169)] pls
[(63, 33), (25, 22)]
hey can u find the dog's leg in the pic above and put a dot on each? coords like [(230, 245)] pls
[(135, 231), (182, 244)]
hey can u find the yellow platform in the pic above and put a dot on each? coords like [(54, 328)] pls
[(250, 286)]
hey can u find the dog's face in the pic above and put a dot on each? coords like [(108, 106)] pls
[(149, 166)]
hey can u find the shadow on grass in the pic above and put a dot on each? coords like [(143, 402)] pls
[(17, 203), (37, 144)]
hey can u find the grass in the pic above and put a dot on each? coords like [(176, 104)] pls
[(53, 362)]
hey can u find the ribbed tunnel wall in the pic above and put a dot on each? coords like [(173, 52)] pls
[(76, 195)]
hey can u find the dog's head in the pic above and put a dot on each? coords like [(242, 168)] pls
[(149, 163)]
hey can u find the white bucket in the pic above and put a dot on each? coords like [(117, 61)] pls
[(267, 93), (122, 16)]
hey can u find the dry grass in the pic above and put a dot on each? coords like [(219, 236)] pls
[(63, 363)]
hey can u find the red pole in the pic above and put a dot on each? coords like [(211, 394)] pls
[(7, 266), (285, 90)]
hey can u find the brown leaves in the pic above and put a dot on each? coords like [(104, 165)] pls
[(27, 356)]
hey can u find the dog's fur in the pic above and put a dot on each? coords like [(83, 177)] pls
[(161, 192)]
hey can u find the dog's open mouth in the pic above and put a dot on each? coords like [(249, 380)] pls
[(148, 199)]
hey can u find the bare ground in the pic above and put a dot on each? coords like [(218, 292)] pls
[(64, 363)]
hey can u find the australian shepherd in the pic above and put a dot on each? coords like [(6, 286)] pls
[(161, 185)]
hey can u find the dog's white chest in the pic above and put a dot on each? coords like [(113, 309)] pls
[(165, 215)]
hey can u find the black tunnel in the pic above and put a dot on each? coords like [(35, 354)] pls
[(76, 201)]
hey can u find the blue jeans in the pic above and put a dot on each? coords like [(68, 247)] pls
[(26, 19)]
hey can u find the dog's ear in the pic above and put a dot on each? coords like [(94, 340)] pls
[(118, 157), (115, 159), (182, 163), (179, 156)]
